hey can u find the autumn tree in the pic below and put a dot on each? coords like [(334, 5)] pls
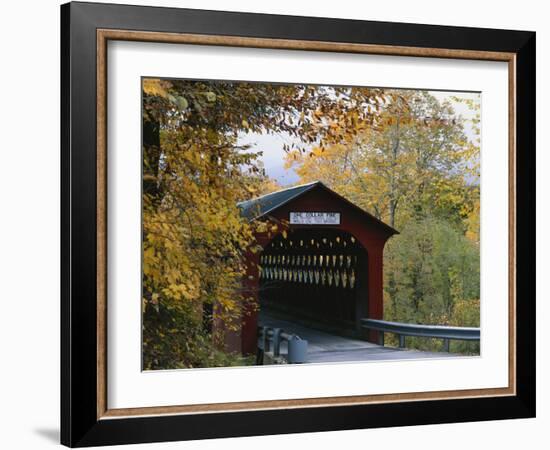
[(415, 168), (412, 160), (194, 173)]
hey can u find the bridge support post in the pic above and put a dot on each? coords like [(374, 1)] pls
[(401, 340), (265, 339), (381, 338), (276, 341)]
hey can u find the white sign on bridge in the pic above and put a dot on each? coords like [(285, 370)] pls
[(314, 218)]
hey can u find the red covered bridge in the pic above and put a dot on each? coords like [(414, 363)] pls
[(323, 266)]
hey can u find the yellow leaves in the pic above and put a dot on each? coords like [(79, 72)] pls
[(260, 227), (155, 87), (466, 313), (160, 88), (210, 96), (195, 238), (472, 223), (182, 291), (149, 262), (254, 249), (149, 253), (413, 154)]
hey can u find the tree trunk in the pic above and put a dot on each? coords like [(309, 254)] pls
[(151, 158)]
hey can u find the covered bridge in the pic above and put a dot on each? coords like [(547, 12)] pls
[(323, 265)]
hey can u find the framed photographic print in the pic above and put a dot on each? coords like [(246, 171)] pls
[(276, 224)]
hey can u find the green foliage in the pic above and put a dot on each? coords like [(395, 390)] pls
[(172, 340), (433, 267), (434, 278)]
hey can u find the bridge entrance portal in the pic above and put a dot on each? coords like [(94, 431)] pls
[(318, 277), (317, 260)]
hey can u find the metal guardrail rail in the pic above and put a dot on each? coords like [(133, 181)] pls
[(428, 331)]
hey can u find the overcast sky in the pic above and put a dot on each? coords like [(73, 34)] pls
[(272, 144)]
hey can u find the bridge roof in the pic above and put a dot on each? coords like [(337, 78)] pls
[(259, 207)]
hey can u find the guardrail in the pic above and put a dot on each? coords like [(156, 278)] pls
[(428, 331), (270, 339)]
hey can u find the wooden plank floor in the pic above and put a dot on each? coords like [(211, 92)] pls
[(324, 347)]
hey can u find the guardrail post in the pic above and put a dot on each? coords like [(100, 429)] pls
[(260, 349), (401, 340), (446, 345), (266, 339), (297, 350), (276, 341), (381, 338)]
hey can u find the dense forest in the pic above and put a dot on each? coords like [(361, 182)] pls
[(402, 155)]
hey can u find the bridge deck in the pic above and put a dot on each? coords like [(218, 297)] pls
[(324, 347)]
